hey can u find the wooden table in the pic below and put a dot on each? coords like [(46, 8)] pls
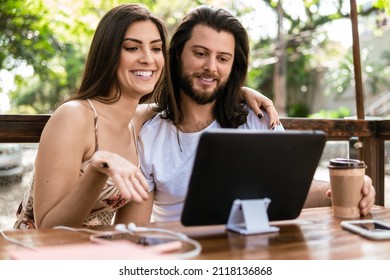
[(316, 235)]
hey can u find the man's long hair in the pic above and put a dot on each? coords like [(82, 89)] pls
[(229, 109)]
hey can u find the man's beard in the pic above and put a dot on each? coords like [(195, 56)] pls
[(200, 97)]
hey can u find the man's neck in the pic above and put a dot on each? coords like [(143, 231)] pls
[(196, 117)]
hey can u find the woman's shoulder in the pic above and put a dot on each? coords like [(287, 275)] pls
[(74, 106), (71, 124), (74, 109), (76, 113)]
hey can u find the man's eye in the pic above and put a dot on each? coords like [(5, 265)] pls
[(200, 54), (223, 59)]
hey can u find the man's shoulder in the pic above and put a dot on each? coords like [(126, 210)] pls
[(154, 125), (254, 122), (155, 121)]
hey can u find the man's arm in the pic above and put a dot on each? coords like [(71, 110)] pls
[(320, 195), (317, 195)]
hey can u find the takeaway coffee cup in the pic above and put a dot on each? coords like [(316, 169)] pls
[(346, 181)]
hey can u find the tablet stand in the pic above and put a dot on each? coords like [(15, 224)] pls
[(250, 216)]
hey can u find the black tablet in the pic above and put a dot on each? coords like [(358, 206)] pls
[(245, 164)]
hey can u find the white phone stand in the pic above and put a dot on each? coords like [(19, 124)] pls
[(250, 216)]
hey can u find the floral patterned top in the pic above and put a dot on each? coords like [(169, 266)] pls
[(102, 212)]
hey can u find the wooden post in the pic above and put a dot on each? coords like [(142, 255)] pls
[(357, 71)]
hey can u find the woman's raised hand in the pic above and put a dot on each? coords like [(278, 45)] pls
[(126, 176)]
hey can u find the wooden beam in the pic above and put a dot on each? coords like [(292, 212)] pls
[(22, 128), (336, 129)]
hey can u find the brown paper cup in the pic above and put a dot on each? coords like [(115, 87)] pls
[(346, 180)]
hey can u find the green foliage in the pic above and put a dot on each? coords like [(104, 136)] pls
[(341, 113), (383, 4), (53, 37), (262, 66), (261, 78), (26, 35), (33, 35), (40, 95), (338, 78), (172, 11), (302, 40), (305, 44), (377, 74), (298, 110)]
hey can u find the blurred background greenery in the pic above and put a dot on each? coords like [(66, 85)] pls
[(44, 43)]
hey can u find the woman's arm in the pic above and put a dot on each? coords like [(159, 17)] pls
[(255, 100), (62, 147), (61, 195), (137, 213)]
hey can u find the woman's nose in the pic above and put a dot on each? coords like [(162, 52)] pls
[(146, 57)]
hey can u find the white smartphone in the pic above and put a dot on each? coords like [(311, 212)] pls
[(372, 229)]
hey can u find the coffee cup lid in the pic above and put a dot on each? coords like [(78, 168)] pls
[(346, 163)]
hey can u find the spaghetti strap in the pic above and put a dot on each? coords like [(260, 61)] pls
[(95, 124), (135, 144)]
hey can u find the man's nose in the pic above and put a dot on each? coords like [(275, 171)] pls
[(210, 64)]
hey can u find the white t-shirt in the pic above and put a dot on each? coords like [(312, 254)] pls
[(167, 156)]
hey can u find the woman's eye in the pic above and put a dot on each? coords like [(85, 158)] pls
[(131, 49), (157, 49)]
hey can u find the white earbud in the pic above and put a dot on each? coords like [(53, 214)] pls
[(120, 227), (132, 227)]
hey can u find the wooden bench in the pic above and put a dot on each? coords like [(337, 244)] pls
[(371, 133)]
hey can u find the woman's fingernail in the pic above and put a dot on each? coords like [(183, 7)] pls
[(260, 115)]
